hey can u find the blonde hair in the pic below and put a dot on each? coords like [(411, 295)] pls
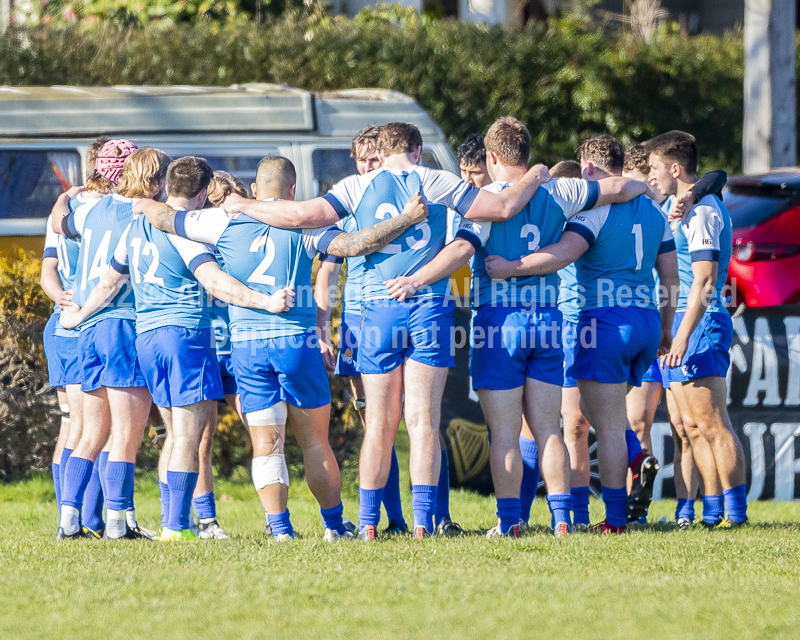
[(143, 173), (510, 140), (99, 184), (224, 184)]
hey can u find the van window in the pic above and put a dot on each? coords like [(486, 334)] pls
[(332, 165), (31, 181), (243, 167)]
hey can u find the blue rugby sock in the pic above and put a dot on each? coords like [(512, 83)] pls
[(181, 487), (75, 478), (56, 469), (280, 523), (423, 503), (333, 518), (580, 504), (735, 500), (443, 490), (615, 500), (205, 506), (391, 493), (163, 488), (713, 509), (127, 486), (530, 475), (561, 507), (508, 510), (102, 463), (65, 456), (93, 503), (116, 499), (369, 507), (634, 446), (685, 509)]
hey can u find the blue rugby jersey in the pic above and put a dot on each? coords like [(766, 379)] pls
[(266, 259), (569, 303), (100, 224), (383, 193), (540, 223), (220, 319), (624, 242), (162, 269), (705, 233), (351, 298)]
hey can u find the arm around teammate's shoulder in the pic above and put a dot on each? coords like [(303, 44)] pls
[(371, 239), (617, 190), (287, 214), (228, 289), (498, 207)]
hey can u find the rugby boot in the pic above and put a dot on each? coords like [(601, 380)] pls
[(449, 528), (210, 531), (172, 536), (496, 532), (79, 534), (395, 529), (641, 488), (368, 533), (421, 532), (604, 529)]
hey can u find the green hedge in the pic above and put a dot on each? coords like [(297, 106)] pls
[(565, 78), (29, 413)]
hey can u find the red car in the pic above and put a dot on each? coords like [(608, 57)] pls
[(765, 215)]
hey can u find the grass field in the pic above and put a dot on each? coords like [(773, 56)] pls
[(655, 583)]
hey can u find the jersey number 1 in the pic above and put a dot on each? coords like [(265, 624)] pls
[(637, 235)]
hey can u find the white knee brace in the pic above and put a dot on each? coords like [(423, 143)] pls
[(64, 412), (270, 470)]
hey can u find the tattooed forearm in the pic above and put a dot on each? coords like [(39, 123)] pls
[(164, 219), (369, 240)]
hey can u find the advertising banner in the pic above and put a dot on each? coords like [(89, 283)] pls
[(763, 403)]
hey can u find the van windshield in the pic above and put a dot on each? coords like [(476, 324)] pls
[(31, 181)]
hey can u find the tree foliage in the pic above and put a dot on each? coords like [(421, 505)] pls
[(566, 79)]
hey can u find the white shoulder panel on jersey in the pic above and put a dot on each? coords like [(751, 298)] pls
[(189, 249), (77, 219), (571, 194), (203, 225), (593, 220), (349, 191), (50, 236), (703, 226), (443, 187)]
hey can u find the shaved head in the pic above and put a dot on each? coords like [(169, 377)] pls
[(275, 178)]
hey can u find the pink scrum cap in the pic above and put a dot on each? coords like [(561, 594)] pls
[(112, 157)]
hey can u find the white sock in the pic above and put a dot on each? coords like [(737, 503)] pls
[(207, 520), (70, 520), (130, 518), (116, 524)]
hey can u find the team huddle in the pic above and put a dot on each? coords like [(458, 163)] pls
[(595, 285)]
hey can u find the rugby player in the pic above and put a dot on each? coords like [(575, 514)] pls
[(58, 272), (204, 501), (174, 338), (365, 152), (472, 161), (517, 358), (278, 365), (421, 326), (116, 400), (698, 360), (642, 402), (616, 248)]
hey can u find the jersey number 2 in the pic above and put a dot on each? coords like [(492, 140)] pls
[(259, 276)]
